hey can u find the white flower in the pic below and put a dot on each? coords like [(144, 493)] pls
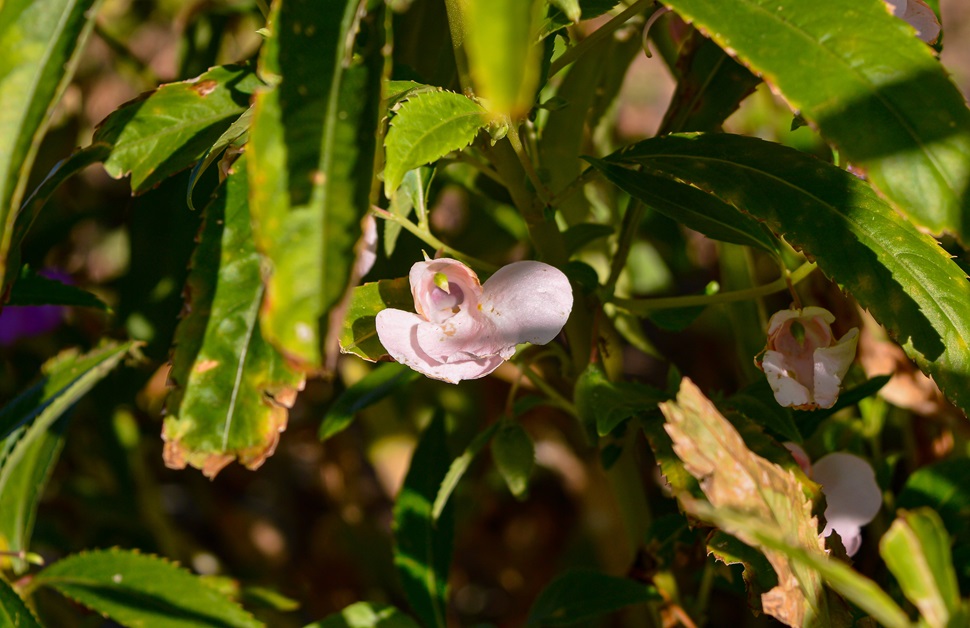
[(802, 361)]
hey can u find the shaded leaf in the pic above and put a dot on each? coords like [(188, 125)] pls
[(169, 129), (311, 153), (557, 20), (458, 468), (235, 136), (142, 590), (13, 612), (33, 288), (423, 544), (943, 487), (603, 405), (759, 576), (426, 128), (366, 615), (233, 389), (515, 456), (582, 595), (809, 420), (902, 276), (578, 236), (40, 39), (376, 385), (359, 333), (883, 99)]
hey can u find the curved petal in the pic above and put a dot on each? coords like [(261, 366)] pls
[(399, 332), (831, 365), (921, 17), (851, 537), (778, 318), (424, 288), (788, 391), (852, 496)]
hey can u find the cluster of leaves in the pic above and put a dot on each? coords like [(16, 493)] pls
[(355, 109)]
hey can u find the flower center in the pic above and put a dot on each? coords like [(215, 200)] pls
[(450, 300)]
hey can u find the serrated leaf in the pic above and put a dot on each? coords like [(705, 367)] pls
[(138, 590), (943, 487), (603, 405), (557, 20), (423, 544), (514, 454), (883, 98), (735, 478), (366, 615), (916, 549), (40, 39), (232, 388), (582, 595), (376, 385), (758, 574), (13, 612), (169, 129), (426, 128), (33, 288), (671, 467), (902, 276), (570, 8), (359, 333), (311, 151), (458, 468)]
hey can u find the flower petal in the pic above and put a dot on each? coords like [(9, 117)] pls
[(812, 311), (852, 496), (399, 332), (788, 391), (831, 365), (423, 286)]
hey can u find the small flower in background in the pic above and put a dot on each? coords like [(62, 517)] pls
[(919, 15), (852, 497), (465, 330), (802, 361)]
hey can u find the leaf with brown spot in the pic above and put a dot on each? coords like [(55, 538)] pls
[(233, 389)]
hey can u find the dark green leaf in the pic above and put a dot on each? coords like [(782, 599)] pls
[(13, 612), (458, 467), (582, 595), (426, 128), (759, 577), (515, 456), (359, 334), (39, 39), (423, 544), (376, 385), (943, 487), (168, 130), (35, 289), (902, 276), (809, 420), (233, 389), (883, 98), (141, 590), (757, 402), (366, 615), (311, 153), (557, 20), (235, 136), (603, 404), (578, 236)]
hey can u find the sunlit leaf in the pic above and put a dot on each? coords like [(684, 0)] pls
[(411, 196), (232, 388), (13, 612), (570, 8), (902, 276), (169, 129), (878, 93), (366, 615), (235, 136), (376, 385), (359, 333), (423, 544), (142, 590), (39, 39), (311, 153), (579, 596), (428, 126), (515, 456)]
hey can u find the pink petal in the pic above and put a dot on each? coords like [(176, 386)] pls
[(423, 286), (366, 247), (788, 391), (852, 496), (779, 317), (831, 365), (399, 332)]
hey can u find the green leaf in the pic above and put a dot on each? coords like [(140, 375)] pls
[(35, 289), (758, 574), (883, 99), (428, 126), (578, 236), (359, 333), (709, 90), (809, 420), (32, 436), (141, 590), (943, 487), (412, 195), (423, 544), (757, 402), (689, 206), (232, 388), (366, 615), (556, 20), (13, 612), (311, 152), (902, 276), (603, 404), (233, 137), (916, 549), (515, 456), (169, 129), (376, 385), (570, 8), (582, 595), (40, 39), (458, 468)]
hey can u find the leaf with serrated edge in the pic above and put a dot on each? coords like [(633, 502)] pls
[(233, 389), (902, 276), (427, 127), (169, 129), (311, 149), (40, 39), (142, 590), (359, 333), (733, 477), (13, 612), (883, 98)]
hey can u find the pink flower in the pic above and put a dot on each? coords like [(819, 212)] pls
[(802, 361), (919, 15), (465, 330), (852, 496)]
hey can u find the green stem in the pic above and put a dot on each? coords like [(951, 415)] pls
[(526, 162), (430, 240), (631, 221), (643, 306), (553, 395), (597, 36)]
